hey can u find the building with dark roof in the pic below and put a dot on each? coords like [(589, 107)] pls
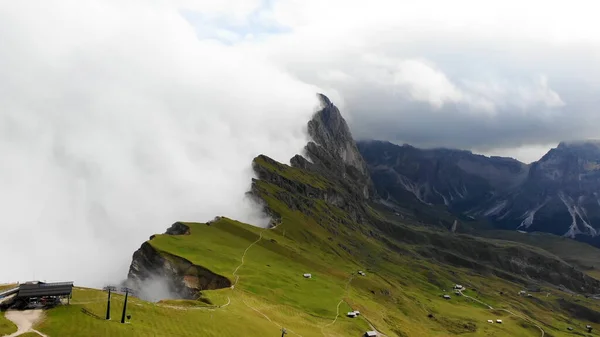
[(41, 289)]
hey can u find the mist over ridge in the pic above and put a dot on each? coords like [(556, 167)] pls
[(111, 132)]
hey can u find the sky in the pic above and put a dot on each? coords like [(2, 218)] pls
[(120, 117)]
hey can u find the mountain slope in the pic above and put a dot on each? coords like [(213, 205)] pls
[(406, 269), (560, 195), (324, 224), (557, 194), (238, 279)]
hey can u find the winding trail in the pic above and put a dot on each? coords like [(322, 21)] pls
[(269, 319), (372, 327), (237, 277), (476, 300), (508, 311), (209, 308), (337, 315)]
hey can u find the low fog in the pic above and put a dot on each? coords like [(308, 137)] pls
[(117, 121)]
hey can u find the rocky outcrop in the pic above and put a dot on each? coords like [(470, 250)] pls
[(300, 194), (560, 195), (182, 278), (333, 152)]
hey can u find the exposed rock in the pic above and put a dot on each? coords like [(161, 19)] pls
[(178, 228), (301, 196), (183, 279), (333, 152), (559, 194)]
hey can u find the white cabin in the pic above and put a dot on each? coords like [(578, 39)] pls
[(351, 314), (490, 321), (499, 321), (307, 276), (447, 297), (371, 334), (356, 312)]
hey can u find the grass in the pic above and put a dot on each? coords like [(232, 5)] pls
[(580, 254), (6, 286), (401, 294), (6, 327)]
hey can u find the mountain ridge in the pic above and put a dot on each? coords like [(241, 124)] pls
[(562, 185), (326, 225)]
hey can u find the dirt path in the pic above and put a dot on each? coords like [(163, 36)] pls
[(372, 327), (269, 319), (243, 256), (24, 320), (526, 319), (337, 315), (476, 300), (508, 311), (209, 308), (234, 274)]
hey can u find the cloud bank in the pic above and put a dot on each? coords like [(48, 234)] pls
[(490, 76), (117, 121), (120, 117)]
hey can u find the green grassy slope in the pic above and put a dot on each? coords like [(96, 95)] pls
[(581, 254), (401, 294), (6, 327)]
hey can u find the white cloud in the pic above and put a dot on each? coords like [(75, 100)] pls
[(120, 117), (499, 74), (117, 122)]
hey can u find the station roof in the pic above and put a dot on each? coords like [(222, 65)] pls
[(45, 289)]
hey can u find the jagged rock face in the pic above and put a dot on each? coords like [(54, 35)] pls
[(457, 179), (182, 278), (558, 194), (333, 151), (300, 196)]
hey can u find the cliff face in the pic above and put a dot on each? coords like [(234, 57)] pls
[(302, 194), (457, 179), (182, 278), (333, 152), (558, 194)]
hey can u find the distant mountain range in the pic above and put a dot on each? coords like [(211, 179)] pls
[(557, 194)]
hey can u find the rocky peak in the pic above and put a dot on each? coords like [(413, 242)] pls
[(333, 151), (569, 162)]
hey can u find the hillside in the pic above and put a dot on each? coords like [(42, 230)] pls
[(583, 256), (235, 279), (401, 287)]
